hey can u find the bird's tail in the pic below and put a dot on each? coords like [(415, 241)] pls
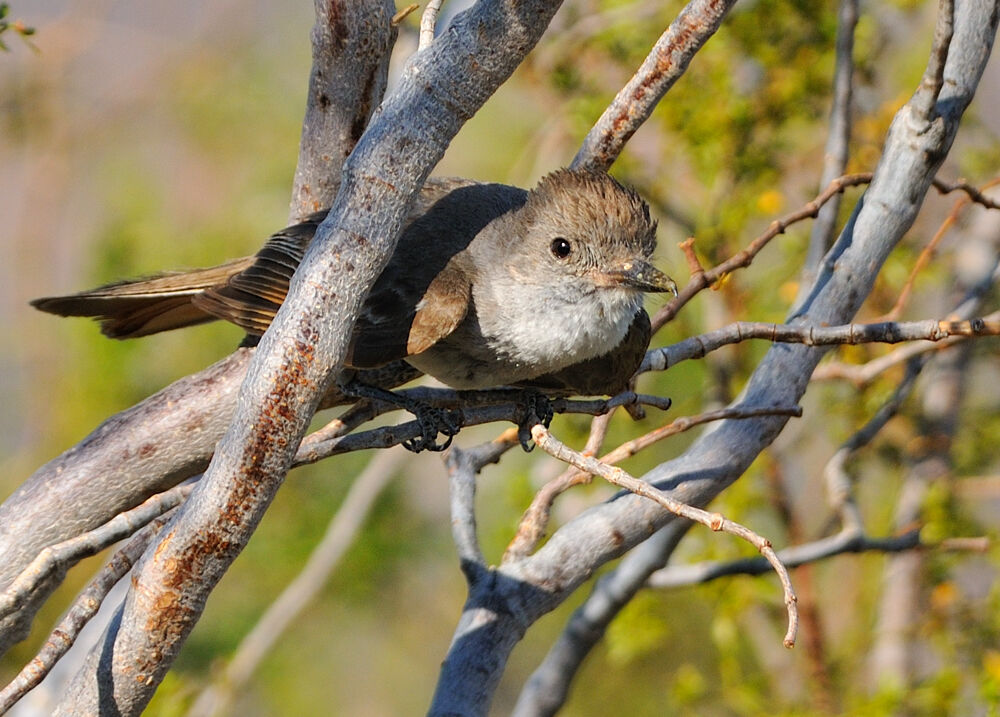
[(146, 306)]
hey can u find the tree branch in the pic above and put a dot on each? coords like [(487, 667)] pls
[(86, 605), (350, 70), (887, 332), (53, 562), (303, 349), (533, 523), (846, 541), (715, 521), (463, 466), (664, 65), (838, 138), (340, 533)]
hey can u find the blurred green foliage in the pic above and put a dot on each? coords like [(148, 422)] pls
[(16, 26)]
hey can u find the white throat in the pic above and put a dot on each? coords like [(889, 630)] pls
[(548, 330)]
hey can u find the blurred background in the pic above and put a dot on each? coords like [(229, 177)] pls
[(139, 136)]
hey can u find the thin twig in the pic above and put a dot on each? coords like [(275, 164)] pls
[(531, 527), (533, 524), (812, 635), (932, 81), (79, 614), (702, 279), (402, 14), (862, 374), (716, 521), (62, 556), (973, 193), (927, 254), (463, 466), (744, 257), (838, 137), (474, 408), (838, 483), (427, 22), (889, 332), (846, 541)]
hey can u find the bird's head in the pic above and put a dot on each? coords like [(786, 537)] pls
[(587, 233)]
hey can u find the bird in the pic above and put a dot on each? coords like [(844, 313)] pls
[(489, 286)]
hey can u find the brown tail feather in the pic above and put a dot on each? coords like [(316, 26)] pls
[(147, 306)]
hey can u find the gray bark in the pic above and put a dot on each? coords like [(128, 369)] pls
[(171, 436), (442, 86), (150, 447)]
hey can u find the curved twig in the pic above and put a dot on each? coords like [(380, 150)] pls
[(716, 521)]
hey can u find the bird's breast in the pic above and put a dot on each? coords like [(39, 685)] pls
[(522, 332)]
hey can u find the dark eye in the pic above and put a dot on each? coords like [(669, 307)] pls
[(560, 248)]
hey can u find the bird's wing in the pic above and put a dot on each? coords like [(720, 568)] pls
[(402, 318), (251, 298)]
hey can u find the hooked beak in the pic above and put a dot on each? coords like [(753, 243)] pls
[(642, 276)]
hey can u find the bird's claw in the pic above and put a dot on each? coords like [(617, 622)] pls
[(537, 410), (433, 421)]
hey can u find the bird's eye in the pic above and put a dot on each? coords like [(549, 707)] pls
[(560, 248)]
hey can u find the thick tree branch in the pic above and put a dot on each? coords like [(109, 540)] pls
[(300, 354), (350, 52), (546, 690), (341, 532), (147, 449)]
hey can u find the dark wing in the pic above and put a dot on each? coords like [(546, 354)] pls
[(402, 318), (604, 375), (423, 294), (251, 298)]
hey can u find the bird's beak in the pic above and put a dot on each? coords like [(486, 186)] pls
[(642, 276)]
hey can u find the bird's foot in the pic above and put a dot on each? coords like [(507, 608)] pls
[(433, 421), (537, 410)]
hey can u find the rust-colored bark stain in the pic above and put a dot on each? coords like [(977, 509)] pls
[(338, 23), (623, 125), (171, 608), (617, 539)]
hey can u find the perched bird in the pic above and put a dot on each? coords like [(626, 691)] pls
[(490, 285)]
